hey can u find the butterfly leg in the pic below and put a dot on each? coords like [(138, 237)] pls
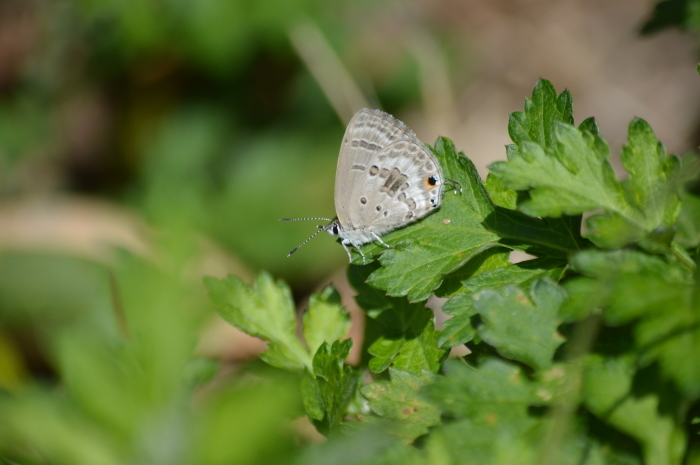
[(345, 245), (363, 255), (350, 255), (347, 250), (381, 241)]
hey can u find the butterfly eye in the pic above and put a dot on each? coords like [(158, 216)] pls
[(335, 229)]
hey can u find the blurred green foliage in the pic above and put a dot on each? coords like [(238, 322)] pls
[(196, 113), (198, 117)]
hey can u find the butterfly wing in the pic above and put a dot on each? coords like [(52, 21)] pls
[(368, 133), (386, 180)]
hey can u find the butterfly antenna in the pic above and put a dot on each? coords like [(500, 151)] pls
[(304, 219), (307, 240)]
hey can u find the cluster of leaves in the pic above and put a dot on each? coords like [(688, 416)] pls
[(588, 352)]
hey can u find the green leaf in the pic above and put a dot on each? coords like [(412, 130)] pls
[(607, 394), (250, 412), (619, 275), (586, 297), (611, 230), (521, 273), (495, 395), (568, 172), (542, 237), (264, 310), (399, 400), (541, 112), (670, 335), (459, 329), (688, 221), (453, 442), (572, 177), (424, 252), (546, 237), (406, 337), (519, 326), (326, 320), (658, 297), (409, 341), (368, 443), (311, 397), (490, 259), (605, 264), (88, 367), (500, 194), (327, 392), (652, 175), (590, 125), (50, 428), (467, 441)]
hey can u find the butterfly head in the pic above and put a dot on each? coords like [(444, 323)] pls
[(333, 228)]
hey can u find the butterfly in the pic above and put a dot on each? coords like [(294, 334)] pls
[(386, 178)]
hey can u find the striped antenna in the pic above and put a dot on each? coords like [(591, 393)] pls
[(304, 219), (307, 240)]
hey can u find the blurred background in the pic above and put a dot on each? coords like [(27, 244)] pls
[(147, 143), (117, 117)]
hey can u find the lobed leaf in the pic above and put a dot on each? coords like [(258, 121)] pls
[(264, 310), (670, 336), (467, 441), (494, 395), (658, 297), (652, 175), (325, 320), (544, 109), (520, 326), (501, 195), (604, 264), (488, 260), (406, 335), (688, 221), (327, 392), (607, 393), (399, 399), (460, 329), (571, 178), (542, 237), (567, 171)]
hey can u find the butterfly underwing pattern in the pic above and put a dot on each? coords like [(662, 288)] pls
[(386, 178)]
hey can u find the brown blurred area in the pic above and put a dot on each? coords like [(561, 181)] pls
[(77, 175)]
